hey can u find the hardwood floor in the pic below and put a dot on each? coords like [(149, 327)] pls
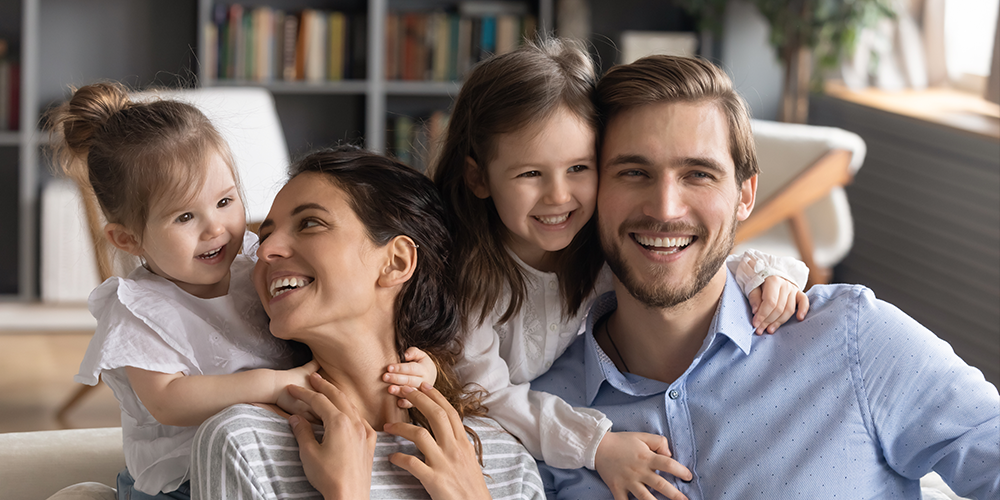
[(36, 378)]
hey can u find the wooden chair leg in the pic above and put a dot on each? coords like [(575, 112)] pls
[(803, 241), (75, 398)]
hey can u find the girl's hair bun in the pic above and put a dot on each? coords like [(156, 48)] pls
[(90, 108)]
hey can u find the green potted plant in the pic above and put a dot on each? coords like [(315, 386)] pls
[(802, 31)]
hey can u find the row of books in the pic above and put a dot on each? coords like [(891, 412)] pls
[(10, 90), (265, 44), (416, 141), (443, 46)]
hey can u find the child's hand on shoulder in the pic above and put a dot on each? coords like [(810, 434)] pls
[(418, 368), (774, 302), (298, 376), (628, 461)]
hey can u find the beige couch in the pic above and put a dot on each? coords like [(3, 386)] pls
[(82, 464)]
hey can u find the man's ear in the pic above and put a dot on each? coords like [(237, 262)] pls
[(401, 262), (122, 239), (474, 179), (748, 195)]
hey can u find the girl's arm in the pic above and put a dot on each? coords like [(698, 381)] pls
[(564, 436), (773, 285), (187, 400)]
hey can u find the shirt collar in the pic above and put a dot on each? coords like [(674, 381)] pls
[(732, 319)]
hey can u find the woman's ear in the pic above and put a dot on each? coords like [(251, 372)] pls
[(401, 262), (474, 179), (122, 239)]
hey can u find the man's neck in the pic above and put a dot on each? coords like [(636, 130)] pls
[(660, 344)]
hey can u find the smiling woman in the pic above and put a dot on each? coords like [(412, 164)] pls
[(352, 263)]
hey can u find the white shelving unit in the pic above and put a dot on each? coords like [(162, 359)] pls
[(128, 58)]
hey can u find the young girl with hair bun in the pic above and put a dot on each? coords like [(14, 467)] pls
[(183, 336), (518, 172)]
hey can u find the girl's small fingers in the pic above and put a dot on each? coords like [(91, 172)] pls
[(411, 368), (641, 492), (754, 298), (413, 354), (672, 467), (663, 486), (399, 379), (802, 301)]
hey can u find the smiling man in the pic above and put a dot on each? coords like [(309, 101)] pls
[(856, 401)]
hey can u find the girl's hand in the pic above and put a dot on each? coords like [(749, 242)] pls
[(628, 461), (773, 302), (340, 467), (450, 469), (298, 377), (419, 368)]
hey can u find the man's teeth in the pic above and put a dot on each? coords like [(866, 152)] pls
[(675, 244), (282, 285), (552, 219)]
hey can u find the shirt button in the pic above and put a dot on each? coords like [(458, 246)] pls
[(674, 394), (552, 285), (553, 327)]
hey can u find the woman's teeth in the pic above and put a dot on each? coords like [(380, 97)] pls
[(552, 219), (282, 285), (673, 244)]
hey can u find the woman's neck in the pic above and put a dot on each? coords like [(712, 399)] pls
[(354, 360)]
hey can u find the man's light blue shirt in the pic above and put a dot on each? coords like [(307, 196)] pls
[(856, 401)]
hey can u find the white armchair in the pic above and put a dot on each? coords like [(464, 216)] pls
[(803, 171)]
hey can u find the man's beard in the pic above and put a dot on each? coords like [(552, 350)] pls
[(654, 293)]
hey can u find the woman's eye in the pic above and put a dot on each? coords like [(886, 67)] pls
[(184, 217), (309, 223)]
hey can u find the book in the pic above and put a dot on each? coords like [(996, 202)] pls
[(316, 46), (488, 42), (357, 46), (508, 33), (337, 31), (393, 43), (234, 52), (289, 45), (441, 39)]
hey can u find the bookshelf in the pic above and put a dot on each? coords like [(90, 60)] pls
[(382, 95), (60, 43)]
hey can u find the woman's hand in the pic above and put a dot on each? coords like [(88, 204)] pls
[(628, 461), (450, 469), (340, 467), (774, 302), (419, 368)]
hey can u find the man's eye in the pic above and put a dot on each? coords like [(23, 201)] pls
[(184, 217), (631, 173)]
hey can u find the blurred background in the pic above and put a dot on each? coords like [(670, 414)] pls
[(915, 81)]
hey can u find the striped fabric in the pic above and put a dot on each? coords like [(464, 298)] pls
[(246, 452)]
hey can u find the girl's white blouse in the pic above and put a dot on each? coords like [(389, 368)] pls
[(504, 358), (148, 322)]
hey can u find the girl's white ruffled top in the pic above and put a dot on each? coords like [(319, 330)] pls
[(148, 322)]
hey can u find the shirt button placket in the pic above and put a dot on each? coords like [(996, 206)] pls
[(681, 434)]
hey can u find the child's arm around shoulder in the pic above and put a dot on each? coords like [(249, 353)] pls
[(773, 286), (187, 400)]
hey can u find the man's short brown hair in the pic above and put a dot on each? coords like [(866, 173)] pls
[(661, 78)]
